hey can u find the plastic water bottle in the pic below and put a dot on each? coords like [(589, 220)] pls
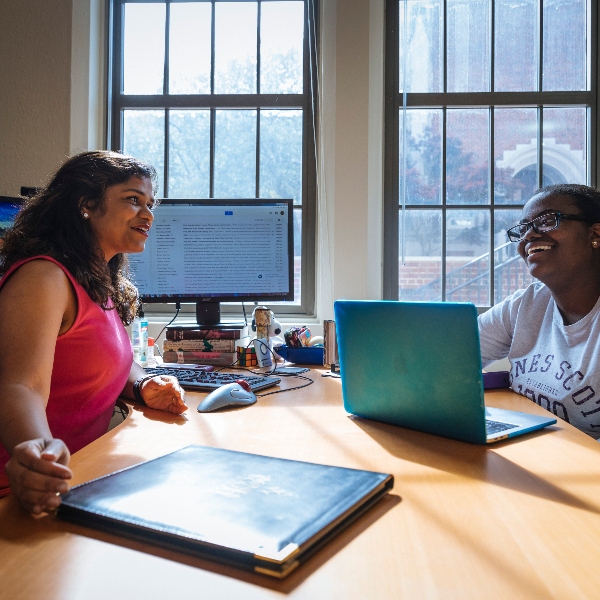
[(151, 359), (139, 339), (136, 333), (143, 340)]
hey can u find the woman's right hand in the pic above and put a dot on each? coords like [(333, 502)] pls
[(38, 473)]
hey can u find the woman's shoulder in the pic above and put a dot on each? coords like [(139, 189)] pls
[(535, 297), (534, 293), (40, 270)]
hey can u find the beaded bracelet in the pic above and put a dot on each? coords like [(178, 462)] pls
[(137, 391)]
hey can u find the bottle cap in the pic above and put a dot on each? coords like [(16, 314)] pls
[(150, 341)]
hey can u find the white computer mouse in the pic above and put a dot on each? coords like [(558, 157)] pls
[(232, 394)]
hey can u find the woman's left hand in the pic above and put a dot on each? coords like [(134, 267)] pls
[(165, 393)]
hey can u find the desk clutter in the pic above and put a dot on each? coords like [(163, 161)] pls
[(227, 346), (202, 345), (301, 347), (246, 357), (196, 354), (301, 356)]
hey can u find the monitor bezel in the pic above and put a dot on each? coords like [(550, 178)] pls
[(279, 297)]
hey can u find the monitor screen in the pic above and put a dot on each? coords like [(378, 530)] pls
[(212, 251), (9, 207)]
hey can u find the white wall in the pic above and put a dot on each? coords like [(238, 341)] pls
[(351, 152), (35, 79), (52, 86), (89, 76)]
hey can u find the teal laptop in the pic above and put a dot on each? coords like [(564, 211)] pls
[(418, 365)]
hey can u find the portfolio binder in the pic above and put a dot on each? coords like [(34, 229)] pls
[(255, 512)]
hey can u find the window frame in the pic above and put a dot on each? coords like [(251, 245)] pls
[(119, 102), (394, 103)]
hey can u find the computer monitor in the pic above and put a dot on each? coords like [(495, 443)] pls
[(212, 251), (9, 207)]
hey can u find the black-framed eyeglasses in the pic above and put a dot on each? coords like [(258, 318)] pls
[(541, 224)]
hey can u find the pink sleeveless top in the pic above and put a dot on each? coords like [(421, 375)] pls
[(92, 362)]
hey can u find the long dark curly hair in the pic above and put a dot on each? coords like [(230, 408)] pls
[(50, 223)]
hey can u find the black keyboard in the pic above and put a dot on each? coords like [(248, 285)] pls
[(196, 379), (492, 427)]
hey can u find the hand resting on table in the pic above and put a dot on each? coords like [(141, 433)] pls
[(38, 473), (164, 393)]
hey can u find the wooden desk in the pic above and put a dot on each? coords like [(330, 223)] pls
[(520, 519)]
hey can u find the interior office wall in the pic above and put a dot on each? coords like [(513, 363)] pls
[(350, 152), (89, 76), (35, 87)]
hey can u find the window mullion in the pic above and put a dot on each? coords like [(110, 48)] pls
[(484, 99), (492, 46), (540, 88), (491, 179), (212, 47), (258, 90), (165, 92), (444, 264), (492, 245), (593, 79), (444, 206), (391, 157), (540, 46), (540, 146), (212, 152), (257, 154), (258, 25)]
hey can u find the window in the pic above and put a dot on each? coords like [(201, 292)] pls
[(217, 96), (486, 100)]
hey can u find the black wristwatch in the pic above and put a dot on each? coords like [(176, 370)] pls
[(137, 388)]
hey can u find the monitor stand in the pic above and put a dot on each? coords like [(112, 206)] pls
[(209, 314)]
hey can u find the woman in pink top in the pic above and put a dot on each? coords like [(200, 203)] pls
[(64, 300)]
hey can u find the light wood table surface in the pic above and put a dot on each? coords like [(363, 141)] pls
[(519, 519)]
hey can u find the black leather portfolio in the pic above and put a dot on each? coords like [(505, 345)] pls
[(255, 512)]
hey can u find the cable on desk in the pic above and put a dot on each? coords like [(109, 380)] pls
[(156, 347), (274, 367), (237, 360), (268, 373), (297, 387)]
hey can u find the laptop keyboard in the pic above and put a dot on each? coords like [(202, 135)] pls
[(196, 379), (496, 427)]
